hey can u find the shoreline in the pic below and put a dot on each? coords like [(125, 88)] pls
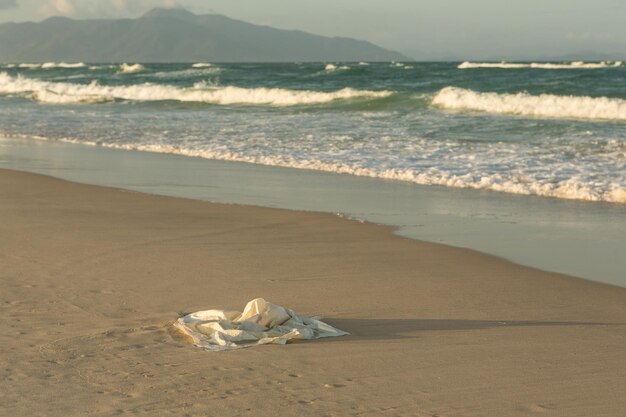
[(94, 277), (582, 239)]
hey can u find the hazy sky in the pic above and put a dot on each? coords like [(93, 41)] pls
[(423, 29)]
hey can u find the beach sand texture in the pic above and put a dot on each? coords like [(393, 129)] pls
[(92, 278)]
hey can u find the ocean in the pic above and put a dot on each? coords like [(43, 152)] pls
[(525, 161), (554, 130)]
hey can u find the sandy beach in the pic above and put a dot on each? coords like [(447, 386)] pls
[(92, 278)]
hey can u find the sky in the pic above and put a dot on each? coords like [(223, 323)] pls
[(420, 29)]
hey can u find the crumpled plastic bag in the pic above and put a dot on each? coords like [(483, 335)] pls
[(260, 323)]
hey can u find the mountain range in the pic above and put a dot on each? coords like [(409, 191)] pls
[(175, 35)]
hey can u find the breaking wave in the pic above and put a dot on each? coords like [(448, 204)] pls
[(574, 188), (524, 104), (201, 65), (541, 65), (30, 66), (103, 67), (130, 68), (401, 65), (65, 93), (190, 72), (50, 65), (333, 67)]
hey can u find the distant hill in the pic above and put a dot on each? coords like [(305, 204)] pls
[(175, 35)]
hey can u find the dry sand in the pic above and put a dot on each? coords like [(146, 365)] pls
[(92, 278)]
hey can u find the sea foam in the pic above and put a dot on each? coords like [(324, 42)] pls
[(333, 67), (130, 68), (402, 65), (514, 182), (64, 93), (541, 65), (51, 65), (523, 104), (184, 73)]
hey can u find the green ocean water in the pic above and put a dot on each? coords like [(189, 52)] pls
[(553, 130)]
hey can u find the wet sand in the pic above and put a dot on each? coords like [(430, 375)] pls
[(578, 238), (92, 279)]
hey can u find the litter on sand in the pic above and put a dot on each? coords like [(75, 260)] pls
[(260, 323)]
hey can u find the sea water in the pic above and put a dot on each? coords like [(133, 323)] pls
[(555, 131), (546, 129)]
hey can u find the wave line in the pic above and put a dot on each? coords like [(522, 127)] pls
[(524, 104), (66, 93)]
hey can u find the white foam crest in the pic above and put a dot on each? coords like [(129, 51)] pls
[(333, 67), (29, 66), (190, 72), (63, 93), (50, 65), (401, 65), (541, 65), (130, 68), (523, 104), (100, 67), (201, 65), (572, 188)]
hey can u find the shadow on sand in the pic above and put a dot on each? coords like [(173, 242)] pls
[(378, 329)]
